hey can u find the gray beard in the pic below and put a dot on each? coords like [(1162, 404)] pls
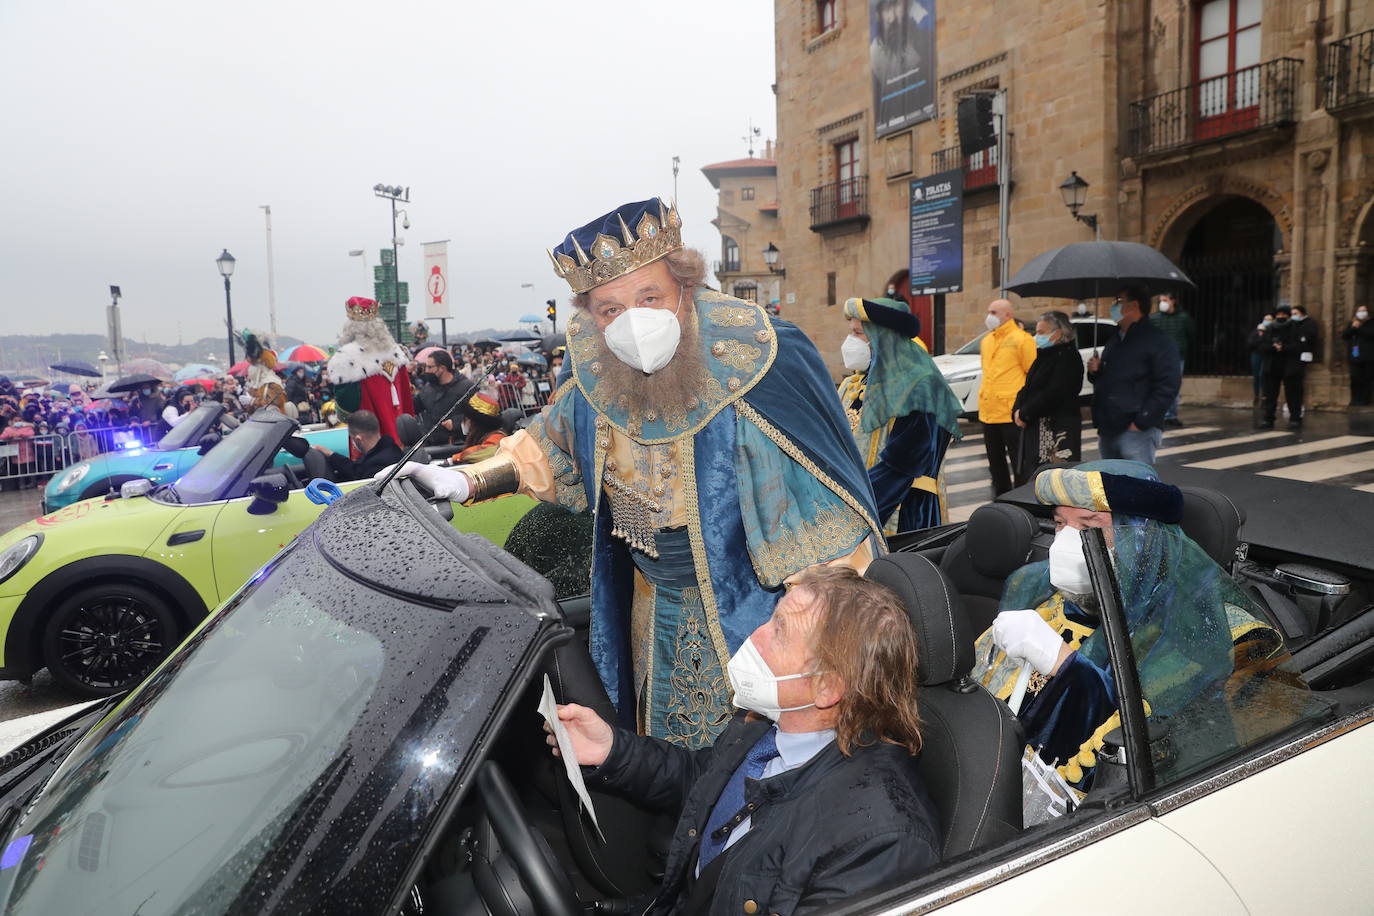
[(673, 389)]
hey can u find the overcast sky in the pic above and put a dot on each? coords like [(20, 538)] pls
[(142, 136)]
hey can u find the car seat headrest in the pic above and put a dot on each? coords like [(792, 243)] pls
[(998, 539), (1213, 522), (943, 644), (408, 429)]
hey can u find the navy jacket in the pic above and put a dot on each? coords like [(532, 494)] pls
[(1137, 381), (819, 835)]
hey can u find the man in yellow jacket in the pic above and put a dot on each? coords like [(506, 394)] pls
[(1007, 353)]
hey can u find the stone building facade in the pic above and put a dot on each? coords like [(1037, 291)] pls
[(1237, 136), (747, 217)]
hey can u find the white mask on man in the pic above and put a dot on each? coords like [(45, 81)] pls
[(645, 338), (1068, 565), (856, 353), (756, 686), (992, 322), (1362, 314), (1166, 306)]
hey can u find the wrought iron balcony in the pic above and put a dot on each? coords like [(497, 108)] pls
[(1253, 98), (980, 169), (1350, 71), (839, 202)]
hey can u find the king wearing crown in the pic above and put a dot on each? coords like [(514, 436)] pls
[(706, 439), (368, 370)]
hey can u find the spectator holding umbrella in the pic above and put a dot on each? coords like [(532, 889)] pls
[(1046, 407), (1134, 381)]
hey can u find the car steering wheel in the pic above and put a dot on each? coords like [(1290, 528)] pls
[(547, 885), (316, 465)]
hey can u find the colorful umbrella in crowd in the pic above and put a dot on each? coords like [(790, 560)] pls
[(424, 354), (288, 368), (304, 353), (76, 367), (198, 370), (146, 365), (207, 383), (531, 361), (239, 368)]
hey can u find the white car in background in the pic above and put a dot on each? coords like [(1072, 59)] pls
[(963, 369)]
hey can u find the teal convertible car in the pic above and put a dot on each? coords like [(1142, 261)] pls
[(165, 462)]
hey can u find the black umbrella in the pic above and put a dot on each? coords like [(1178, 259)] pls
[(76, 367), (519, 337), (1084, 270), (553, 342), (133, 382)]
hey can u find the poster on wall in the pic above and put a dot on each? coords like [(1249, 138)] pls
[(901, 51), (937, 234)]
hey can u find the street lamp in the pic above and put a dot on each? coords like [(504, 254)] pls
[(225, 261), (395, 194), (770, 257), (1075, 193)]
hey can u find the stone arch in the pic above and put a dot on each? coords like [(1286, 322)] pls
[(1186, 209), (1359, 217)]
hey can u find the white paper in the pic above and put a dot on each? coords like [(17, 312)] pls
[(548, 708)]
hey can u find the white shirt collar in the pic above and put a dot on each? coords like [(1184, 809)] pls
[(796, 748)]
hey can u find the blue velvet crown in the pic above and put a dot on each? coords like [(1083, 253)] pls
[(614, 249)]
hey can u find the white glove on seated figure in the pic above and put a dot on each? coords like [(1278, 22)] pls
[(444, 483), (1025, 637)]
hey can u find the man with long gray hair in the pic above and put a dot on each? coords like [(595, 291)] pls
[(706, 438)]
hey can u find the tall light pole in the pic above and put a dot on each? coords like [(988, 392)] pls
[(225, 261), (271, 285), (395, 194)]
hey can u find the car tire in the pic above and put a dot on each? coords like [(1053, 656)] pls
[(104, 638)]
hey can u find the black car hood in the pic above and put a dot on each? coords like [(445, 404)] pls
[(448, 631)]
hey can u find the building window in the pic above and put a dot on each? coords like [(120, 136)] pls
[(830, 288), (1228, 46), (825, 10), (749, 291), (847, 178), (729, 254), (746, 193)]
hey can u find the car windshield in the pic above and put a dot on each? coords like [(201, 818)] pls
[(191, 428), (294, 747), (225, 472), (1215, 676), (971, 346)]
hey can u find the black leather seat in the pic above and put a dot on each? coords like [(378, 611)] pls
[(996, 543), (971, 758), (1213, 521)]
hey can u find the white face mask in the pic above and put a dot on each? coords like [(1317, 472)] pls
[(1068, 565), (992, 322), (856, 353), (1362, 314), (755, 685), (645, 338), (1166, 306)]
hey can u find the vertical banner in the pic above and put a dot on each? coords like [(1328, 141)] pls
[(901, 52), (937, 234), (436, 279)]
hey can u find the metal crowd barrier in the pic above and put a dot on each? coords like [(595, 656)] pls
[(533, 395), (31, 460)]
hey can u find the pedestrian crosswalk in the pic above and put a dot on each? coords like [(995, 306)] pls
[(1337, 459)]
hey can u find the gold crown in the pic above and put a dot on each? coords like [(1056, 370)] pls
[(484, 404), (360, 309), (651, 240)]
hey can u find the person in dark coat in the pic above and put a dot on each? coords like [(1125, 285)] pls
[(1259, 345), (1134, 381), (443, 389), (1359, 348), (814, 777), (1294, 346), (377, 450), (1046, 408)]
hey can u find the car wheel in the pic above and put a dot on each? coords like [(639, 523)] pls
[(104, 638)]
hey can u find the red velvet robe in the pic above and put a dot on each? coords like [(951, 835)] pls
[(387, 400)]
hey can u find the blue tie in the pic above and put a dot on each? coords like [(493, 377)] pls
[(732, 796)]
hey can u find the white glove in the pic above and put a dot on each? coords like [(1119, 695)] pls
[(442, 482), (1305, 357), (1025, 637)]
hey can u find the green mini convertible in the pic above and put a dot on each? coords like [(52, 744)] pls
[(103, 589)]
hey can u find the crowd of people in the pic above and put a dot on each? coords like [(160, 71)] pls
[(45, 429)]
